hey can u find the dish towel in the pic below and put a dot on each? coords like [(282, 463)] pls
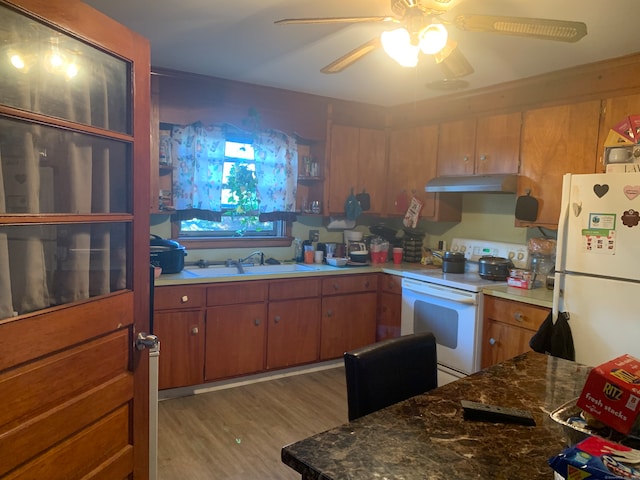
[(554, 338)]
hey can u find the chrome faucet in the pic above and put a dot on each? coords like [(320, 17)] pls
[(235, 263), (257, 252)]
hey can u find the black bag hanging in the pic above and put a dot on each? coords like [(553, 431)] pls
[(554, 338)]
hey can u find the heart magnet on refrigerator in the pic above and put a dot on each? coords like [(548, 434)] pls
[(600, 190), (631, 191)]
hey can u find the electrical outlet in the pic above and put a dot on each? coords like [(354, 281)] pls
[(314, 235)]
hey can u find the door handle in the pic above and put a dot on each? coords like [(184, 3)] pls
[(146, 340)]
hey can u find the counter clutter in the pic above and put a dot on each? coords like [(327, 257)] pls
[(427, 436)]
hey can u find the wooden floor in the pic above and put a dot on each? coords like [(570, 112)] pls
[(237, 433)]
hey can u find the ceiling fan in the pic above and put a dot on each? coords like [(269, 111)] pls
[(422, 29)]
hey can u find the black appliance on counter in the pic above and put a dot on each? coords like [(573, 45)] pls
[(167, 254)]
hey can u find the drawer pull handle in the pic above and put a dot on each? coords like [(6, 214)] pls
[(336, 286), (194, 330), (256, 322), (519, 316), (276, 319), (184, 299), (366, 284), (492, 341), (329, 313)]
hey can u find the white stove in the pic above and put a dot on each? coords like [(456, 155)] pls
[(450, 305), (471, 281)]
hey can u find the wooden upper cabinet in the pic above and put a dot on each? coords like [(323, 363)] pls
[(480, 146), (412, 163), (614, 110), (555, 141), (498, 144), (357, 160), (456, 147)]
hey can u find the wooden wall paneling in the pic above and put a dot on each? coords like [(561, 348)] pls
[(187, 98), (608, 78)]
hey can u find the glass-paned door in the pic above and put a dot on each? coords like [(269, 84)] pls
[(74, 255)]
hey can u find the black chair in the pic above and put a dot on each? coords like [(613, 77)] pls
[(390, 371)]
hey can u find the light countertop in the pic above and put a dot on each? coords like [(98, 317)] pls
[(538, 296), (541, 297)]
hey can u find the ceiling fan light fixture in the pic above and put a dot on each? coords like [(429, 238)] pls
[(433, 38), (397, 44)]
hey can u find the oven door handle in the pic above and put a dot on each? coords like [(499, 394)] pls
[(439, 292)]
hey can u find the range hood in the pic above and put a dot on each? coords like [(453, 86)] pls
[(474, 183)]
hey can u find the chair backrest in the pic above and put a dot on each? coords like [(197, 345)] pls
[(387, 372)]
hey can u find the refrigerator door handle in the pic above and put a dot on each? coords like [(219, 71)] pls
[(558, 281)]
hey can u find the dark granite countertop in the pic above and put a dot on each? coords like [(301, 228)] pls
[(426, 436)]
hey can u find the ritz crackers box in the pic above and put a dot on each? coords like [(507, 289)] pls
[(612, 394)]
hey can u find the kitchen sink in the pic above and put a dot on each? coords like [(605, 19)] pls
[(249, 270)]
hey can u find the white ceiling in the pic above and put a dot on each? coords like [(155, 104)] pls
[(237, 40)]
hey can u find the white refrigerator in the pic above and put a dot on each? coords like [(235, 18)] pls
[(597, 278)]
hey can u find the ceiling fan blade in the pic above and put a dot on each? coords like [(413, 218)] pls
[(452, 62), (353, 56), (542, 28), (302, 21)]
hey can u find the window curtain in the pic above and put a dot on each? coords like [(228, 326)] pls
[(197, 152), (276, 156)]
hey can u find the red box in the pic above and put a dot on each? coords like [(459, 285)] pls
[(612, 394), (519, 283)]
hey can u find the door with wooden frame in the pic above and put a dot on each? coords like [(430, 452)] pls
[(74, 223)]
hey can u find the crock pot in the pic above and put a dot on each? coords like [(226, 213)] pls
[(167, 254), (494, 268), (453, 262)]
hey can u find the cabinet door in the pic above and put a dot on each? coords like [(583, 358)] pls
[(348, 322), (372, 167), (502, 341), (235, 340), (293, 333), (182, 348), (507, 328), (614, 110), (498, 144), (343, 166), (555, 141), (456, 146), (389, 310), (412, 163)]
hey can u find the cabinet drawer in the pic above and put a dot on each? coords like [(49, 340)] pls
[(169, 298), (514, 313), (290, 289), (349, 284), (236, 292), (390, 283)]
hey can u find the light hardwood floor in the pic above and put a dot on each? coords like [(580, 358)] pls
[(237, 433)]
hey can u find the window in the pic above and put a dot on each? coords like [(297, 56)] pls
[(238, 199)]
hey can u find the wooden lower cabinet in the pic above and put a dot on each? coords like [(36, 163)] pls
[(219, 331), (348, 322), (181, 335), (507, 328), (235, 340), (179, 324), (293, 336), (389, 307)]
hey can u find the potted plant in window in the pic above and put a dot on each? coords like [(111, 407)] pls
[(242, 184)]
